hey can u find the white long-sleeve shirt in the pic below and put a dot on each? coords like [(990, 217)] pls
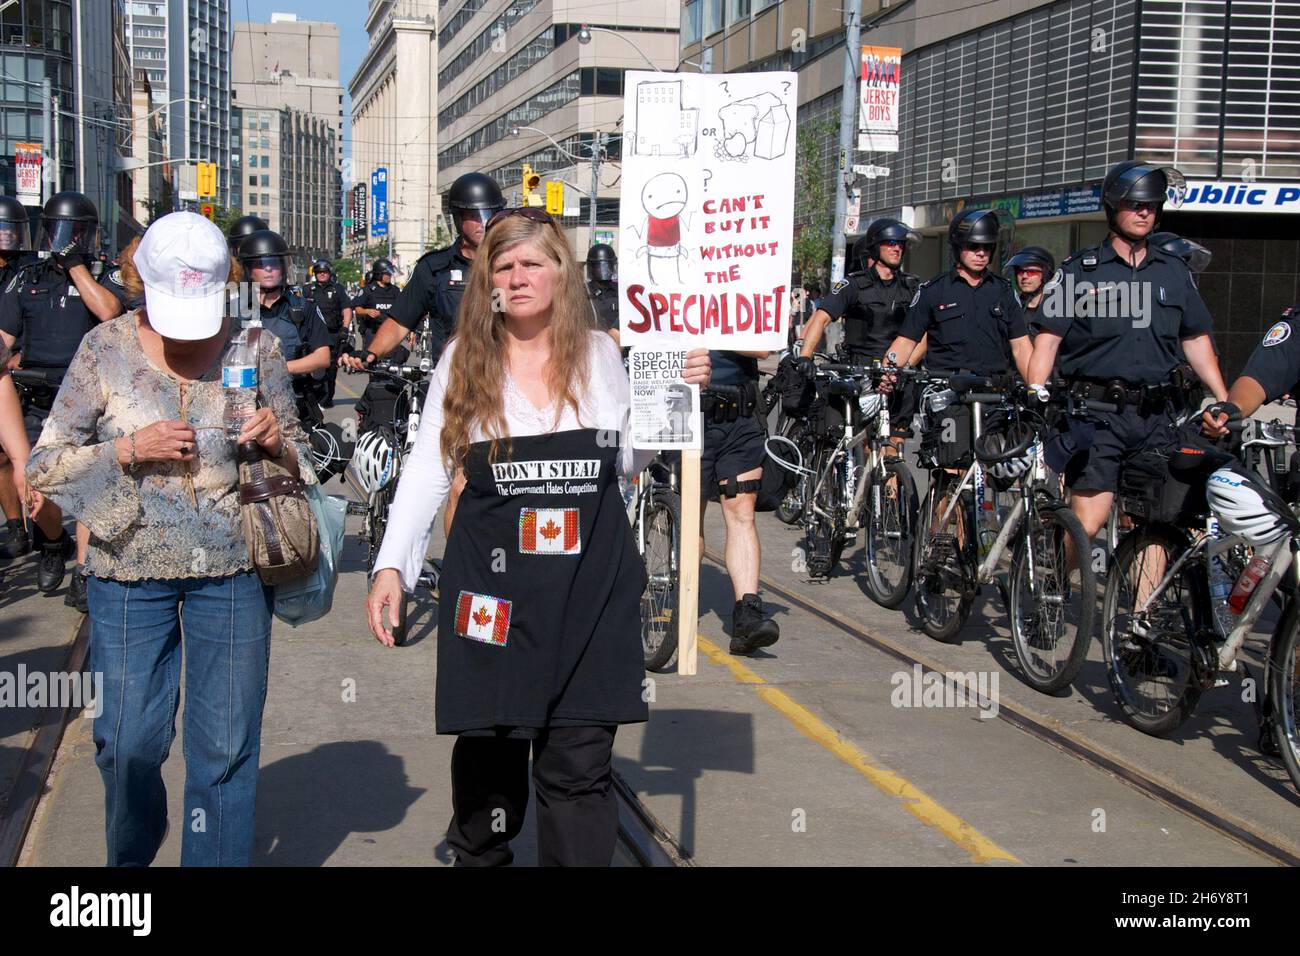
[(604, 403)]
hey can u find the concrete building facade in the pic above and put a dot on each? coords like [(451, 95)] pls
[(148, 146), (524, 63), (395, 108)]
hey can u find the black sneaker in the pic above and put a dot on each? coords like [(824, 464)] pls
[(76, 596), (19, 541), (750, 630), (54, 557)]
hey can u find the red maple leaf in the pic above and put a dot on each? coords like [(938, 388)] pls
[(482, 617), (551, 529)]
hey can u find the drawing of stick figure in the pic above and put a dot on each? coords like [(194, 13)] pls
[(664, 198)]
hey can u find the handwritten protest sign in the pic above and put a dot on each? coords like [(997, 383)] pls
[(707, 209)]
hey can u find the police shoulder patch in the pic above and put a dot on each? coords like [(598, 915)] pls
[(1279, 333), (115, 277), (842, 284), (13, 283), (916, 298), (1056, 278)]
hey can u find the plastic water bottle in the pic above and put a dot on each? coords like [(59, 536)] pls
[(1220, 584), (1255, 570), (239, 379)]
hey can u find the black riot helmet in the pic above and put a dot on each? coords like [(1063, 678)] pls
[(15, 229), (881, 230), (381, 267), (602, 264), (1194, 254), (1032, 256), (321, 265), (1136, 181), (973, 227), (263, 248), (474, 196), (69, 222), (241, 227)]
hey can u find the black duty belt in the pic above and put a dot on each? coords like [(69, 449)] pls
[(1146, 399)]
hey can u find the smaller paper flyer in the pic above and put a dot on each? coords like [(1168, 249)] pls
[(665, 410)]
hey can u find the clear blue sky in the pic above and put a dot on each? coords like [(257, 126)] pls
[(350, 15)]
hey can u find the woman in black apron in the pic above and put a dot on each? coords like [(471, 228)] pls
[(539, 641)]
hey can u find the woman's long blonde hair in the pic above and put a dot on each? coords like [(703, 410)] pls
[(477, 376)]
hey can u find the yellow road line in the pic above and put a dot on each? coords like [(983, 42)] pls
[(915, 801)]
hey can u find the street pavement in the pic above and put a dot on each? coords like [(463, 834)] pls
[(796, 755)]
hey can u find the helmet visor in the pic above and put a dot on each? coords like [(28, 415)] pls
[(600, 270), (272, 269), (1196, 256), (13, 236), (460, 216), (68, 235)]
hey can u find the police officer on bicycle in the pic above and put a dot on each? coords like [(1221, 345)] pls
[(335, 307), (1114, 317), (1272, 371), (438, 280), (45, 310), (602, 287), (1032, 266), (304, 338), (872, 300), (371, 309)]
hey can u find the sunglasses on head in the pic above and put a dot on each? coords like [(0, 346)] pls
[(531, 213)]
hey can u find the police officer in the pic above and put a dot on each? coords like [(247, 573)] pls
[(371, 309), (1032, 266), (966, 319), (45, 310), (731, 471), (304, 339), (328, 296), (872, 300), (15, 245), (1114, 316), (602, 286), (241, 227), (438, 280), (1272, 371), (1197, 257)]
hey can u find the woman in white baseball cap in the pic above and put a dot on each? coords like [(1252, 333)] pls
[(135, 448)]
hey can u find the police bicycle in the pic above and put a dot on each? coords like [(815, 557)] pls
[(654, 508), (1051, 599), (376, 466), (1166, 638)]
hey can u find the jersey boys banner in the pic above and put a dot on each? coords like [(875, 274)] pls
[(882, 69), (27, 165), (707, 209)]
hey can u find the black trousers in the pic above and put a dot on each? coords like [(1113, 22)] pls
[(577, 816), (331, 376)]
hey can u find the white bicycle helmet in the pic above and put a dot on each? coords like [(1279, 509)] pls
[(870, 404), (1247, 507), (372, 462)]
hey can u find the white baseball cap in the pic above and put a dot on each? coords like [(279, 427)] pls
[(183, 261)]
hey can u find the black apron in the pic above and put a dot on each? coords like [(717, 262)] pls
[(539, 622)]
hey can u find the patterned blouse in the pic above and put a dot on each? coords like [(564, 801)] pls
[(164, 519)]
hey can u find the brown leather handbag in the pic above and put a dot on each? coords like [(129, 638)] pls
[(279, 526)]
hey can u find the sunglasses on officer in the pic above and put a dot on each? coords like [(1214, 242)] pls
[(893, 243), (531, 213), (1137, 205), (265, 262), (986, 247)]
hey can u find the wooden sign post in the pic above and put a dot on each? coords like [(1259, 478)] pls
[(688, 568)]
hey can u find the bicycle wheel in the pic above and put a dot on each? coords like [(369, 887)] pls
[(889, 503), (825, 539), (1149, 658), (662, 543), (1284, 692), (790, 509), (943, 590), (1052, 608)]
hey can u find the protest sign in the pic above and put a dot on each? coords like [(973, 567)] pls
[(665, 410)]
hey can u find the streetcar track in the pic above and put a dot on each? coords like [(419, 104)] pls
[(1051, 731)]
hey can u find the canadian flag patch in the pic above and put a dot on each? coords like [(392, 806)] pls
[(549, 531), (482, 618)]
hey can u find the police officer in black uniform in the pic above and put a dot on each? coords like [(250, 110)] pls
[(872, 300), (1272, 371), (305, 341), (328, 296), (1114, 316), (968, 317), (15, 245), (438, 280), (1032, 266), (45, 310), (602, 286), (371, 309)]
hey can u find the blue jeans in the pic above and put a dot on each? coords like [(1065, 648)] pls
[(135, 642)]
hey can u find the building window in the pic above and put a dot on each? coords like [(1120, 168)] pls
[(266, 123), (266, 180), (691, 22), (712, 16), (737, 10), (252, 180), (265, 200)]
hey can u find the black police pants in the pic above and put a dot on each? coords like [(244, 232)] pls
[(577, 816), (331, 376)]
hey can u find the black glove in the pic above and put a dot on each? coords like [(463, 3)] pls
[(1225, 408), (69, 258)]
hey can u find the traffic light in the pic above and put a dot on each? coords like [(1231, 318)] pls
[(206, 211), (531, 182), (207, 179), (555, 197)]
